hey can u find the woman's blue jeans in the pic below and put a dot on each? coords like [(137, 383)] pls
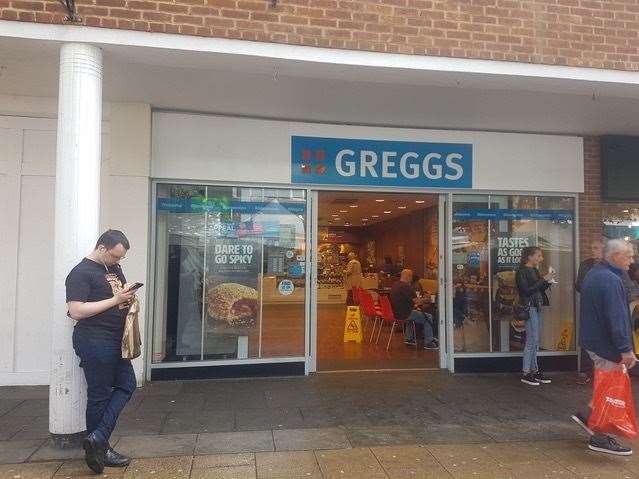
[(532, 341)]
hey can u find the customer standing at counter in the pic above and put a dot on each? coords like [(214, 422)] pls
[(532, 293), (352, 276)]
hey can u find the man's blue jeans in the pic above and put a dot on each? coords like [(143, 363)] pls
[(418, 318), (110, 381)]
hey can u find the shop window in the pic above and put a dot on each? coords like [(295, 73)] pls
[(489, 233), (230, 273)]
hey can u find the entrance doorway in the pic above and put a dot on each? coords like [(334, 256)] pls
[(385, 233)]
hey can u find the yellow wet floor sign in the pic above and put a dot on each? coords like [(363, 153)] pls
[(353, 325), (565, 337)]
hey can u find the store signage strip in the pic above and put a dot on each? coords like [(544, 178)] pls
[(513, 214), (199, 205), (360, 162)]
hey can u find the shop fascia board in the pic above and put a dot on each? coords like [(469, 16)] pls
[(295, 60)]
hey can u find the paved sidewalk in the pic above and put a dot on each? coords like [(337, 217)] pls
[(332, 421), (516, 460)]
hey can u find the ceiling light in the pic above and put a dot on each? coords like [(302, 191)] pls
[(420, 202), (352, 206), (401, 207), (347, 224), (374, 216), (343, 211), (364, 219), (626, 211), (336, 216), (387, 212), (380, 201)]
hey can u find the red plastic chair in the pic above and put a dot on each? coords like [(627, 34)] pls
[(389, 317), (367, 305)]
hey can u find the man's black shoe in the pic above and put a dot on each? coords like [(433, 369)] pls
[(608, 445), (115, 459), (94, 452)]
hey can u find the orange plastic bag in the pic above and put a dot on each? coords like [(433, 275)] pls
[(613, 409)]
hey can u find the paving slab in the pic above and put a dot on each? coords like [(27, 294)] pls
[(168, 403), (312, 438), (41, 470), (47, 452), (359, 463), (224, 460), (234, 442), (140, 424), (543, 470), (382, 435), (10, 425), (287, 465), (409, 462), (18, 451), (404, 456), (77, 469), (161, 388), (24, 392), (180, 422), (7, 405), (160, 468), (34, 428), (157, 446), (32, 407), (516, 453), (234, 472), (267, 418)]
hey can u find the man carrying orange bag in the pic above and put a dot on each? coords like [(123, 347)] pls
[(607, 337)]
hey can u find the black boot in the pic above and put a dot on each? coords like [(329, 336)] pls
[(94, 452), (115, 459)]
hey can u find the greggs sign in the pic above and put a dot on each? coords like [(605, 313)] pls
[(409, 164)]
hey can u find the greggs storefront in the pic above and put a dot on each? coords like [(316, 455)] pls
[(256, 224)]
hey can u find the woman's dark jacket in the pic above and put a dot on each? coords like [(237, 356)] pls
[(532, 287)]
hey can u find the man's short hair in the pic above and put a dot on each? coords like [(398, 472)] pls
[(616, 246), (111, 238)]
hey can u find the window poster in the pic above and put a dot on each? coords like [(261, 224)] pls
[(232, 297)]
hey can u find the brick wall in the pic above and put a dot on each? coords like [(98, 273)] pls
[(590, 206), (593, 33)]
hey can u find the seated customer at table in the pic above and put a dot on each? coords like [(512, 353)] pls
[(405, 302), (416, 285)]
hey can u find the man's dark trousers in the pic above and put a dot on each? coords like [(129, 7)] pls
[(110, 381)]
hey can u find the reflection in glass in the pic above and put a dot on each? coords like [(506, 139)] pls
[(470, 276), (230, 269), (489, 234)]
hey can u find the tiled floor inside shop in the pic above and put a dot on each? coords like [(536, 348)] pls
[(333, 354), (350, 425)]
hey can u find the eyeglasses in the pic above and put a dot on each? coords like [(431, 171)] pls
[(115, 257)]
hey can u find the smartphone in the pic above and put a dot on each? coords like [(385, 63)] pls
[(135, 286)]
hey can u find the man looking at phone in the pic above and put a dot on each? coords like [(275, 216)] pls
[(98, 299)]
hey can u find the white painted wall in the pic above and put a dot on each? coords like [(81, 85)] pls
[(205, 147), (27, 182)]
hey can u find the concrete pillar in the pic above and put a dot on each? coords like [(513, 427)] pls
[(77, 213)]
